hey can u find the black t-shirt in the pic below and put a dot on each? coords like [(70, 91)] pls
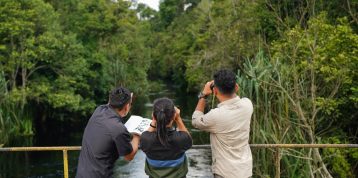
[(179, 142), (104, 140)]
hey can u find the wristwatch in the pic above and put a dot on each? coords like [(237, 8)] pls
[(202, 95)]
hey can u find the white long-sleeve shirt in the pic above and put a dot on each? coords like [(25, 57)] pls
[(229, 127)]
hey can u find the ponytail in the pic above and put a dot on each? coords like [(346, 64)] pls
[(162, 129), (163, 111)]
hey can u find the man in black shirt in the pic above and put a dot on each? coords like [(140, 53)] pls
[(106, 138)]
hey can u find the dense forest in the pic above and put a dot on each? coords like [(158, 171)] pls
[(296, 60)]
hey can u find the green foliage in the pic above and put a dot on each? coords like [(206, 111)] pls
[(308, 79), (65, 56), (339, 159), (40, 62), (12, 123), (114, 41), (324, 61), (209, 36), (169, 9), (145, 12)]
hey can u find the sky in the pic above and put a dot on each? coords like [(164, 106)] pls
[(151, 3)]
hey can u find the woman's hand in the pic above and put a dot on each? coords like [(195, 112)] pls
[(177, 114), (179, 122)]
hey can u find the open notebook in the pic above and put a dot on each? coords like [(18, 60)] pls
[(137, 124)]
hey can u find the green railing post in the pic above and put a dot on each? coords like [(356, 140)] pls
[(65, 164)]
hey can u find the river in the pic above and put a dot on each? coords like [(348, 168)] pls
[(50, 164)]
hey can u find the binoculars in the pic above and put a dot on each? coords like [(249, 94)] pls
[(212, 86)]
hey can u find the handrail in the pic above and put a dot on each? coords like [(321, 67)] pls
[(291, 146), (277, 147), (48, 148), (77, 148)]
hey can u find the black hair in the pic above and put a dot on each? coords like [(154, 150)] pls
[(119, 97), (225, 81), (163, 112)]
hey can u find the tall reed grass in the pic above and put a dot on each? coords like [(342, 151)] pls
[(273, 120), (13, 122)]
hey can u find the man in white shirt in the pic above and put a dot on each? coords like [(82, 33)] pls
[(229, 126)]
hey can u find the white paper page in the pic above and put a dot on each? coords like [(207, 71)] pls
[(137, 124)]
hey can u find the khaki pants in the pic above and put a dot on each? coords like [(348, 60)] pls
[(218, 176)]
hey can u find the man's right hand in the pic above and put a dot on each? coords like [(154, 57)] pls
[(206, 91)]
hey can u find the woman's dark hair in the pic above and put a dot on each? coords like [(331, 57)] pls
[(119, 97), (163, 112), (225, 81)]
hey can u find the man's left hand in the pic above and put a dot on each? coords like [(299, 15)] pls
[(207, 90)]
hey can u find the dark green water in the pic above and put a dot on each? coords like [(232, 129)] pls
[(50, 164)]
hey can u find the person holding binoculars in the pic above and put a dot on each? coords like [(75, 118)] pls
[(229, 126), (163, 145)]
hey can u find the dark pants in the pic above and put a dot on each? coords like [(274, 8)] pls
[(152, 177)]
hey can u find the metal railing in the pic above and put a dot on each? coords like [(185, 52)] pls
[(277, 148), (64, 149)]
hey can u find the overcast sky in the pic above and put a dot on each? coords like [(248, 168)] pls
[(151, 3)]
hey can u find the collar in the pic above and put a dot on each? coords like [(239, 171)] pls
[(229, 101), (113, 111)]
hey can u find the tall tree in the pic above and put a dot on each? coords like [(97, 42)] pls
[(320, 63), (40, 62)]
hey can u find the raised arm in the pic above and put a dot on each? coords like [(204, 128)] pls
[(199, 119), (178, 120)]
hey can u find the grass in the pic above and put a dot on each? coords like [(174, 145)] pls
[(273, 120), (13, 122)]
